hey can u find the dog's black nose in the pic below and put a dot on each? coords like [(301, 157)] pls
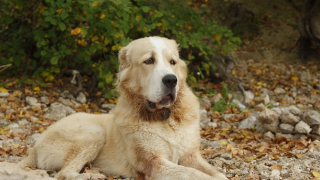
[(170, 80)]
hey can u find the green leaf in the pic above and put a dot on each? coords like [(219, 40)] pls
[(43, 52), (109, 78), (46, 13), (54, 60), (64, 15), (48, 18), (62, 26), (53, 21), (145, 9)]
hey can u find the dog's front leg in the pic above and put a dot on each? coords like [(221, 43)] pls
[(162, 169), (195, 160)]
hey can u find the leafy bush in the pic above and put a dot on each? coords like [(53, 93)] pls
[(45, 37)]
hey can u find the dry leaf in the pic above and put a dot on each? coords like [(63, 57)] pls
[(315, 174)]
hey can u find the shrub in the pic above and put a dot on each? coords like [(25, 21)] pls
[(45, 37)]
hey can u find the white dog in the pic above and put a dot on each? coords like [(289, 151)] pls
[(153, 134)]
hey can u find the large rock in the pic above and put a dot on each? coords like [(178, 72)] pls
[(268, 116), (11, 171), (289, 118), (279, 91), (250, 122), (311, 117), (286, 128), (291, 109), (58, 111), (271, 127), (316, 129), (302, 128)]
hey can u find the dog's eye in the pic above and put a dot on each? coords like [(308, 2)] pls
[(173, 62), (149, 61)]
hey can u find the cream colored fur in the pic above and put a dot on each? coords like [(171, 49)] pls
[(135, 141)]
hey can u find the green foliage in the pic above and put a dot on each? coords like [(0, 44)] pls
[(224, 102), (45, 37)]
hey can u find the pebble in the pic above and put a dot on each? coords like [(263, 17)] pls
[(111, 106), (205, 102), (44, 100), (81, 98), (226, 156), (13, 125), (268, 136), (32, 101)]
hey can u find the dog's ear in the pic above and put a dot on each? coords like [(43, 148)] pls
[(123, 58)]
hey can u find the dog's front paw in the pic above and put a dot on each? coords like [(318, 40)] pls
[(90, 176)]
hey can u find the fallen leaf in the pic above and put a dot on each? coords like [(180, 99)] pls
[(276, 166), (223, 143), (3, 90), (315, 174)]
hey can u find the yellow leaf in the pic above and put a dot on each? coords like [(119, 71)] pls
[(294, 78), (76, 31), (229, 146), (223, 143), (94, 38), (96, 3), (15, 146), (300, 156), (36, 89), (3, 90), (41, 130), (315, 174), (249, 159), (102, 16), (59, 10), (96, 112)]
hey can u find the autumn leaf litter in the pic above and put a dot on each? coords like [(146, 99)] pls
[(249, 153)]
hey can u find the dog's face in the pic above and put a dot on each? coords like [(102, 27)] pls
[(151, 67)]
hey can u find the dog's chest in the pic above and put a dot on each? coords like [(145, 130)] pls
[(180, 141)]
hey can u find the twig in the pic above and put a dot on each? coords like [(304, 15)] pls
[(4, 67)]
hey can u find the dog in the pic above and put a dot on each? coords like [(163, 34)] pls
[(153, 133)]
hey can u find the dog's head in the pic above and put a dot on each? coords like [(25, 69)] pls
[(152, 69)]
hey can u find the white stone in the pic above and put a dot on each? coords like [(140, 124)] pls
[(279, 91), (57, 111), (204, 102), (268, 136), (305, 76), (302, 128), (4, 94), (226, 156), (289, 118), (316, 129), (286, 128), (111, 106), (32, 101), (216, 98), (268, 116), (249, 96), (311, 117), (203, 114), (13, 126), (66, 102), (250, 122), (275, 174), (81, 98), (44, 100), (271, 127)]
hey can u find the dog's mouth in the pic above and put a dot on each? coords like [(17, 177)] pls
[(165, 102)]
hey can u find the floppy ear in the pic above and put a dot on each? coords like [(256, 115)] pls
[(123, 60)]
